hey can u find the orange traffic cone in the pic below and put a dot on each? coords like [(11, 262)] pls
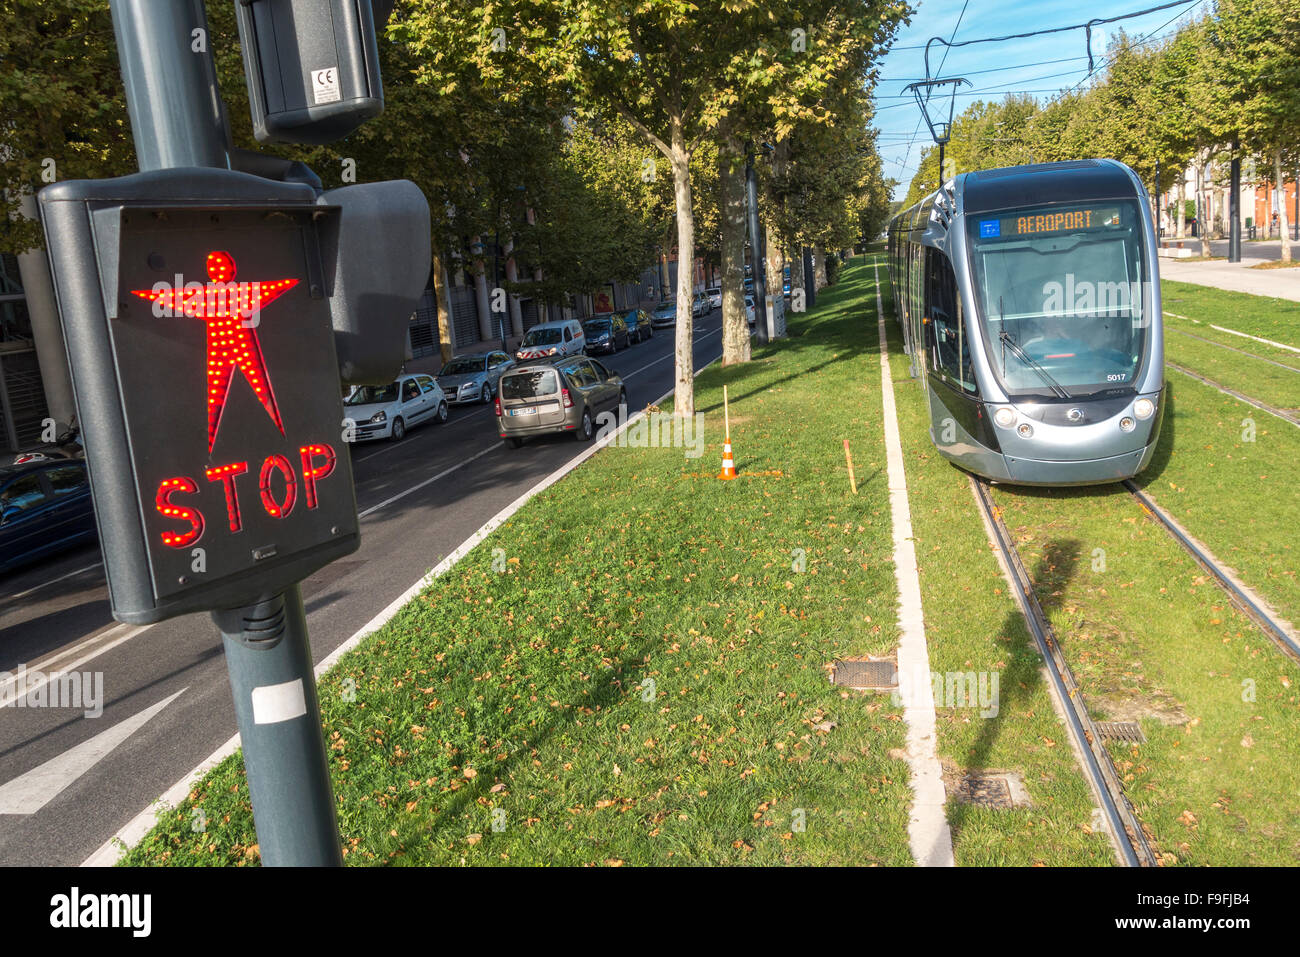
[(728, 463)]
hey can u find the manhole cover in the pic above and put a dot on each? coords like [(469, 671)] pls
[(992, 791), (866, 675), (1121, 731)]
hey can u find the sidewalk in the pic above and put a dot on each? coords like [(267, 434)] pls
[(1237, 277)]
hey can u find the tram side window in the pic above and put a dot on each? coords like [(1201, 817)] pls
[(950, 342)]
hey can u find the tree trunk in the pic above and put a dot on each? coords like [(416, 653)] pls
[(663, 275), (819, 268), (1204, 218), (685, 357), (1182, 206), (775, 281), (796, 274), (731, 184), (446, 336), (1283, 216)]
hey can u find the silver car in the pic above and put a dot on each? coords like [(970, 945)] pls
[(473, 378), (566, 395)]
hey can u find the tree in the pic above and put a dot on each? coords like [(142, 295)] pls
[(669, 71), (62, 102)]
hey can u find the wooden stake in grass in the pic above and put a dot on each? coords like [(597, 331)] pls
[(848, 457)]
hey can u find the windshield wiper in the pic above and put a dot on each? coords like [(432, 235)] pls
[(1010, 343)]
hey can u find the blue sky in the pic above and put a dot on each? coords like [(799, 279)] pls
[(1019, 65)]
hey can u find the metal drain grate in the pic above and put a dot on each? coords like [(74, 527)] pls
[(1121, 731), (866, 675), (992, 791)]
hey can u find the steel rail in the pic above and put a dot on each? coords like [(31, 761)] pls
[(1098, 767)]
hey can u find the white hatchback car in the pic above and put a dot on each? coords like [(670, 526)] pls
[(387, 411)]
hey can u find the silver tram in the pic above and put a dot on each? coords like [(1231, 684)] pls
[(1030, 304)]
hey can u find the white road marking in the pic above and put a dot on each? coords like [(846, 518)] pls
[(429, 481), (28, 793), (124, 633), (390, 445), (1268, 342), (1234, 332), (111, 851), (52, 581), (927, 826)]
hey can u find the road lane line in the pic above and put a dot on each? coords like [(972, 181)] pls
[(52, 581), (112, 850), (28, 793), (29, 686)]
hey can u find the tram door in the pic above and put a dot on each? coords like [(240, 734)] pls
[(955, 414)]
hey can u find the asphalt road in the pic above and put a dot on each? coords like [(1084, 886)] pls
[(60, 608)]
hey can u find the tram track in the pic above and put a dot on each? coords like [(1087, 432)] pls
[(1251, 605), (1098, 767), (1282, 414), (1240, 352)]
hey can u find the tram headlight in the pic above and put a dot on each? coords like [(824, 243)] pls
[(1144, 408), (1126, 424), (1025, 430), (1005, 417)]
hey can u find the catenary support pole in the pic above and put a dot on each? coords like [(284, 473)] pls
[(177, 120)]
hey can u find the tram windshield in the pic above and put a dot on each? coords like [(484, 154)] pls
[(1060, 290)]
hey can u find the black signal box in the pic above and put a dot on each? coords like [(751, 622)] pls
[(195, 306), (312, 68)]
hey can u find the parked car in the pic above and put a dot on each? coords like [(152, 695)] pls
[(562, 338), (605, 333), (639, 325), (473, 378), (388, 411), (750, 317), (664, 314), (700, 305), (45, 508), (715, 296), (559, 396)]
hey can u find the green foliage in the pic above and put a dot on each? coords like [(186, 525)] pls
[(1231, 77)]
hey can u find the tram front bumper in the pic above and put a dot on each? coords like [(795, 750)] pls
[(1115, 468)]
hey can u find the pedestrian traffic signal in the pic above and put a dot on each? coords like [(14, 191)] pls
[(196, 308)]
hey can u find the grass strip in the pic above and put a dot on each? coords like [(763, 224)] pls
[(974, 628), (634, 668), (1226, 472), (1264, 316), (1153, 640)]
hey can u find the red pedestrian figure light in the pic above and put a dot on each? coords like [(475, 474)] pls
[(232, 344)]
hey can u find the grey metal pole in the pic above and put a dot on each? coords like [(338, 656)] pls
[(164, 50), (177, 120), (1234, 213), (268, 657), (756, 252)]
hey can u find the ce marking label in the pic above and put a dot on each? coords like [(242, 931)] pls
[(325, 85)]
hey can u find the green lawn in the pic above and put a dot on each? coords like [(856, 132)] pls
[(972, 623), (645, 681), (1153, 640), (1203, 306)]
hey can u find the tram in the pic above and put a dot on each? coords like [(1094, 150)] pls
[(1029, 299)]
